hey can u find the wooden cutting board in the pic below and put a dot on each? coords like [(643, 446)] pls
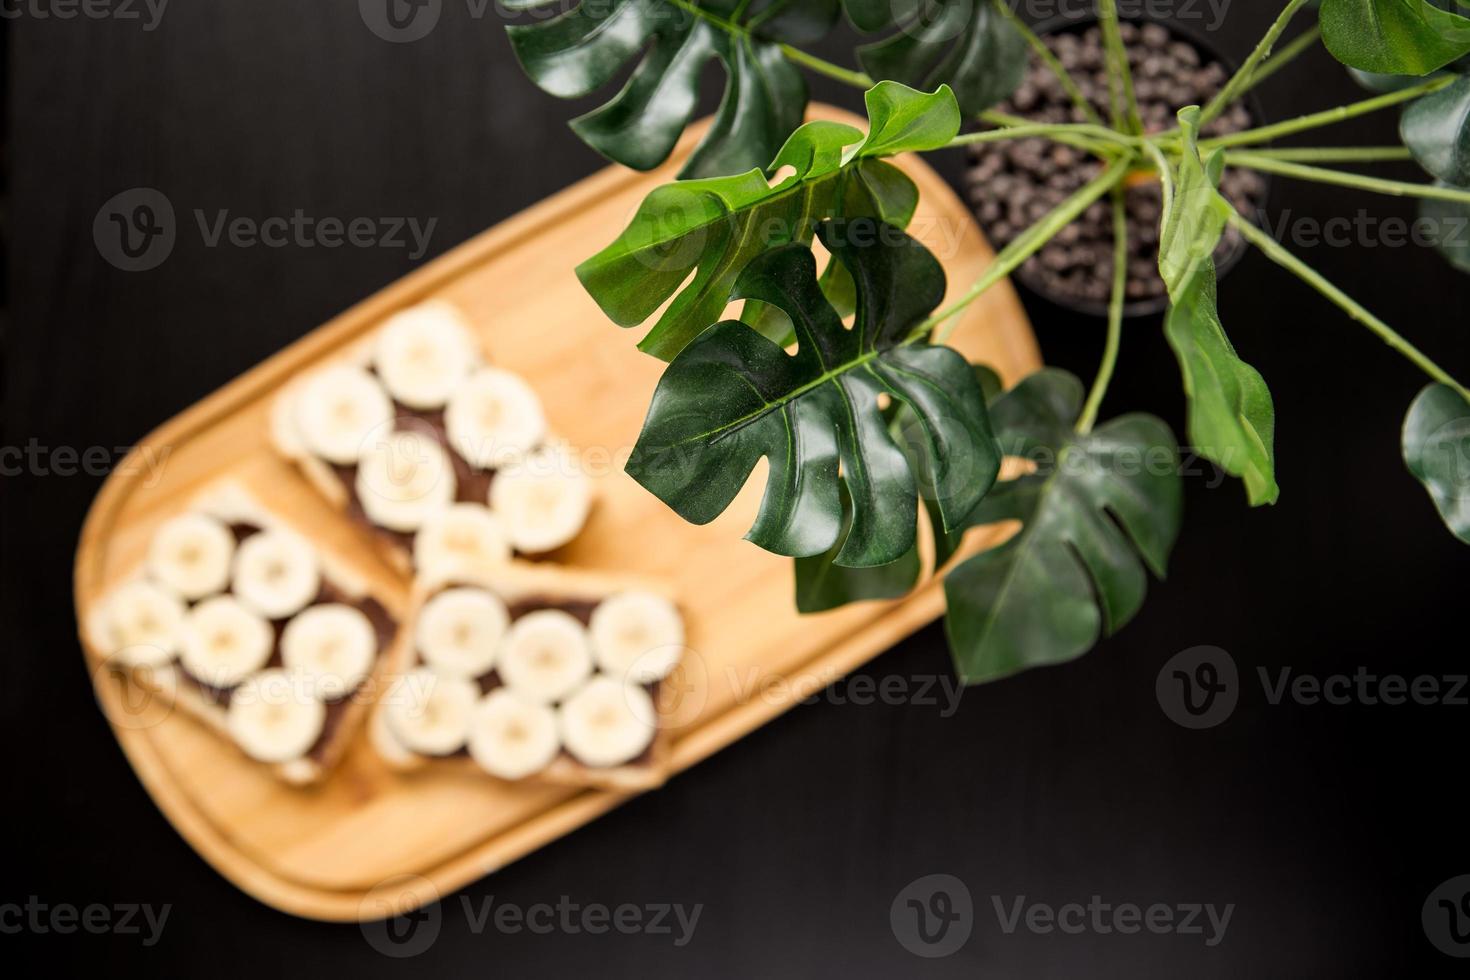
[(367, 842)]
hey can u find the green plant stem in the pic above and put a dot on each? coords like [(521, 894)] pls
[(1321, 175), (1166, 178), (1120, 77), (1316, 120), (1302, 42), (1024, 245), (1009, 133), (856, 79), (1039, 48), (1100, 140), (1114, 339), (1279, 254), (1332, 154), (1238, 82)]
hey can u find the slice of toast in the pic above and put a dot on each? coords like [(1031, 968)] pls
[(338, 482), (526, 587), (234, 505)]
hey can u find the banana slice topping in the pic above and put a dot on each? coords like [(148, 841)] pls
[(430, 712), (224, 642), (543, 500), (637, 636), (339, 409), (607, 722), (190, 554), (274, 717), (493, 418), (142, 623), (460, 630), (423, 353), (460, 537), (545, 656), (512, 738), (404, 477), (332, 645), (276, 573)]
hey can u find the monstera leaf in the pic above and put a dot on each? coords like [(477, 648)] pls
[(733, 396), (1436, 129), (823, 584), (578, 52), (966, 44), (1394, 37), (1094, 506), (1231, 417), (1437, 452), (717, 226)]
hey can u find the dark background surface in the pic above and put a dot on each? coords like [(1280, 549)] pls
[(1326, 827)]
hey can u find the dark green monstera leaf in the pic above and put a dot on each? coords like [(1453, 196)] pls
[(965, 44), (716, 226), (575, 53), (1436, 129), (1437, 452), (1094, 506), (822, 584), (733, 396), (1394, 37), (1231, 417)]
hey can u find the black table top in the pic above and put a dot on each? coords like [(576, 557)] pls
[(1320, 827)]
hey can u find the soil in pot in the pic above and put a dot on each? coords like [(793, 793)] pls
[(1014, 182)]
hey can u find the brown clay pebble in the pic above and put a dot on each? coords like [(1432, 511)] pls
[(1013, 183)]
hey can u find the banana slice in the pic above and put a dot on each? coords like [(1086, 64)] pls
[(460, 630), (423, 353), (274, 717), (637, 636), (143, 622), (458, 537), (224, 642), (607, 722), (543, 500), (511, 737), (338, 409), (276, 573), (430, 712), (546, 654), (404, 477), (494, 417), (333, 645), (191, 555)]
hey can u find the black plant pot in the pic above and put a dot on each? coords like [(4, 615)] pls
[(1230, 252)]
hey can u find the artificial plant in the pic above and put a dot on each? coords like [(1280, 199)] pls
[(865, 425)]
